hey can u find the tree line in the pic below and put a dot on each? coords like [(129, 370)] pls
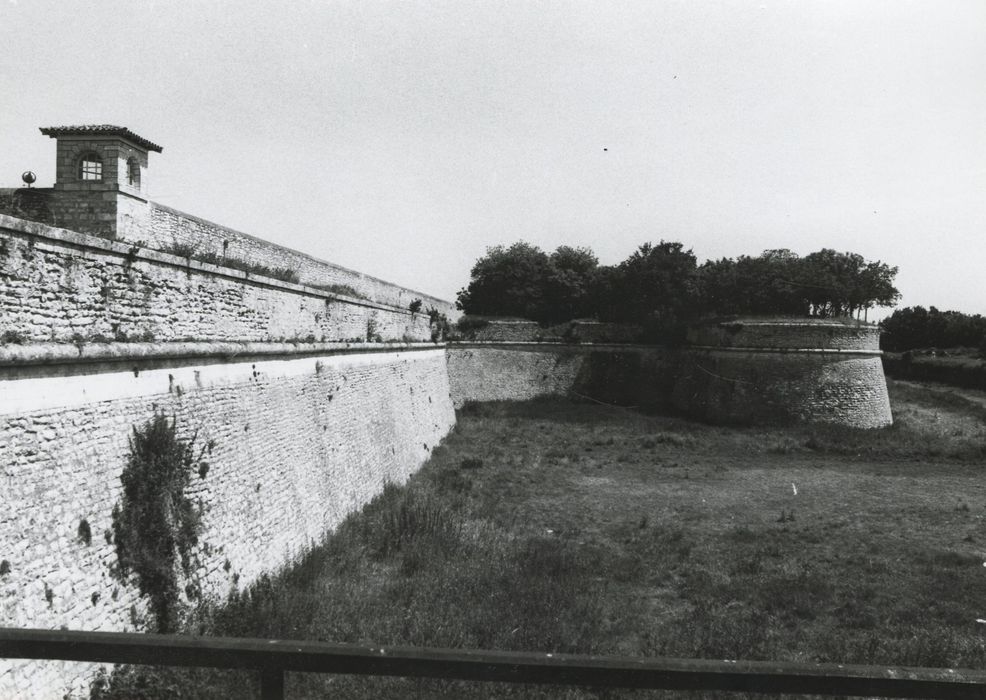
[(662, 287), (918, 327)]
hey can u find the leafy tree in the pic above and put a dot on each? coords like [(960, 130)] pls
[(917, 327), (661, 287), (747, 285), (656, 286), (507, 282), (524, 281), (825, 283), (843, 284), (568, 283)]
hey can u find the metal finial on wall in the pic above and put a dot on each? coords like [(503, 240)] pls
[(28, 177)]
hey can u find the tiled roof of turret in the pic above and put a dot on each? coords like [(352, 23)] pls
[(100, 130)]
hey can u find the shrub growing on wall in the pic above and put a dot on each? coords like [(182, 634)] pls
[(155, 525), (439, 325)]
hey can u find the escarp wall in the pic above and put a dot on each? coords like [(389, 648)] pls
[(61, 286), (301, 419), (619, 374), (780, 370), (744, 371)]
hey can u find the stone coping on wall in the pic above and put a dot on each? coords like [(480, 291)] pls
[(763, 349), (87, 241), (709, 348), (792, 321), (560, 344), (40, 354)]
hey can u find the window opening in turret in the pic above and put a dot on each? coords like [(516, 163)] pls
[(91, 168), (133, 172)]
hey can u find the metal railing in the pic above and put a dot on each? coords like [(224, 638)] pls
[(273, 658)]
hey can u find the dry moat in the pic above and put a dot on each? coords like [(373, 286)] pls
[(577, 527)]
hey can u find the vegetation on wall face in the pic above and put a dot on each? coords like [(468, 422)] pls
[(192, 252), (343, 289), (439, 325), (155, 524)]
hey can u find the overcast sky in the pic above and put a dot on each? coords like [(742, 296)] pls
[(402, 139)]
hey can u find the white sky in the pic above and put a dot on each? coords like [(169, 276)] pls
[(402, 139)]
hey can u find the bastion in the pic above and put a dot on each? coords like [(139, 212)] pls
[(756, 370), (734, 371)]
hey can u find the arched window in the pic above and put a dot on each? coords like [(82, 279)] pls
[(133, 172), (90, 167)]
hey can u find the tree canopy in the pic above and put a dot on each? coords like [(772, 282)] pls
[(524, 281), (662, 286), (918, 327), (825, 283)]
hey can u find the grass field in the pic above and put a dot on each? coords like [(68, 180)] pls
[(569, 527)]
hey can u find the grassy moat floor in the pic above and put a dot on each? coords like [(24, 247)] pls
[(583, 528)]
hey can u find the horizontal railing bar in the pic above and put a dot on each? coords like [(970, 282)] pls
[(483, 665)]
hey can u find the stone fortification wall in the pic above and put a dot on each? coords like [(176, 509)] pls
[(579, 331), (601, 332), (513, 373), (297, 442), (86, 208), (622, 375), (761, 387), (118, 215), (786, 333), (62, 286), (776, 376), (158, 226), (32, 203), (509, 331), (774, 370)]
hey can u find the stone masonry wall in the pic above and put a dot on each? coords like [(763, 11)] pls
[(297, 443), (767, 370), (719, 386), (621, 375), (31, 203), (518, 373), (156, 226), (119, 215), (511, 331), (62, 286), (753, 387), (777, 334)]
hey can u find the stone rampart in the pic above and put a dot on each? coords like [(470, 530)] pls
[(118, 215), (293, 444), (63, 286), (496, 330), (618, 374), (787, 333), (157, 226), (758, 370), (776, 376), (507, 331), (760, 387)]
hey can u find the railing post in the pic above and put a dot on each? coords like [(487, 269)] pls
[(271, 684)]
